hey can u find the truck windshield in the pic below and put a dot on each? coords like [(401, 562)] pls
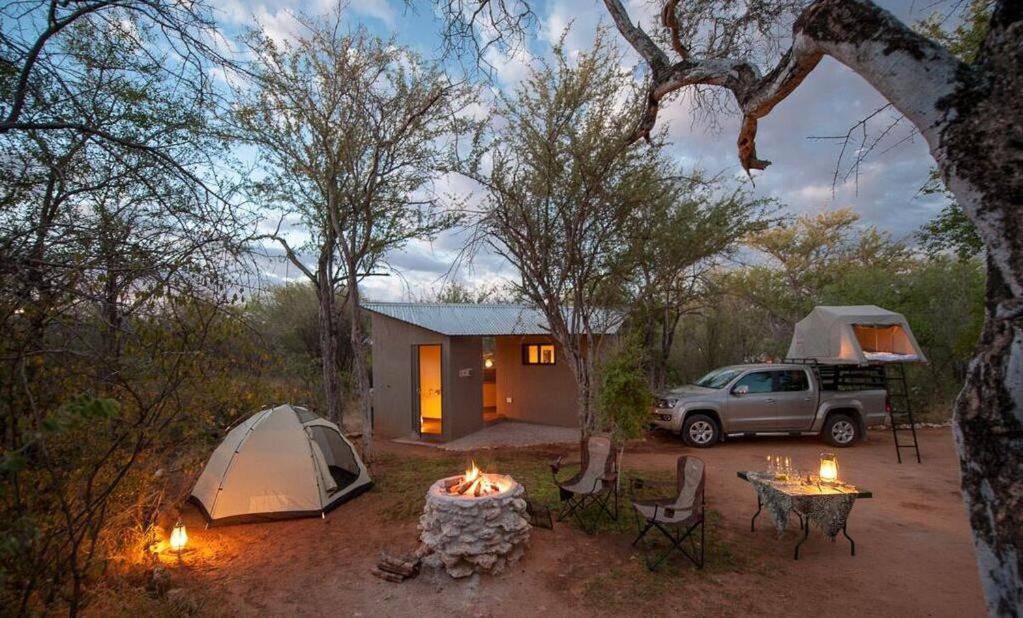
[(718, 378)]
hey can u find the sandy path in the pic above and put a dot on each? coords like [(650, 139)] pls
[(914, 554)]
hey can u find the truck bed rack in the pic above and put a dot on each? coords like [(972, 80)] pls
[(888, 376)]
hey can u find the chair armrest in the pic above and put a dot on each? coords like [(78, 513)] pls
[(561, 462)]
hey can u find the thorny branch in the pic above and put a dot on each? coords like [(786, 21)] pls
[(821, 28)]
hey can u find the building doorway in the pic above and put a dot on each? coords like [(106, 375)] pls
[(489, 381), (429, 396)]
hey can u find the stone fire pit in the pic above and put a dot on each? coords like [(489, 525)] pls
[(469, 527)]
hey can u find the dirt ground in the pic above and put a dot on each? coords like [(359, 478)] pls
[(914, 553)]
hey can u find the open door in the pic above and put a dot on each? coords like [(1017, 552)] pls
[(428, 389)]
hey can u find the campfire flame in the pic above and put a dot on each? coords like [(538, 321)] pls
[(474, 483)]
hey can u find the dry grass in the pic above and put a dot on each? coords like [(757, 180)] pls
[(624, 586), (134, 601), (402, 481)]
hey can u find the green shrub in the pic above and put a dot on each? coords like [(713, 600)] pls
[(623, 395)]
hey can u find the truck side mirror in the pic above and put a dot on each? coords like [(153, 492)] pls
[(741, 390)]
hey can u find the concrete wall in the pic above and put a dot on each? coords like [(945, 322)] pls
[(543, 394), (392, 374), (393, 403), (463, 399)]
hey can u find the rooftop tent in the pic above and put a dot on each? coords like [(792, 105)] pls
[(279, 463), (854, 334)]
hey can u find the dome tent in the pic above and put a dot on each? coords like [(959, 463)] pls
[(854, 334), (279, 463)]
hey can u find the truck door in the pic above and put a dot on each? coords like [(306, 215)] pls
[(795, 400), (751, 403)]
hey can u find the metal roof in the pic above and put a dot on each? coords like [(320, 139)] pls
[(476, 319)]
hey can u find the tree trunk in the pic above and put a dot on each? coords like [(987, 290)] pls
[(587, 417), (328, 334), (980, 155), (989, 436), (359, 364)]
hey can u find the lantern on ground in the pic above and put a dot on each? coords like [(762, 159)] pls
[(178, 537), (829, 468)]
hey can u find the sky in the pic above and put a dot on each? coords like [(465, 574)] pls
[(885, 192)]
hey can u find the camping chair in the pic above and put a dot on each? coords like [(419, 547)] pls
[(596, 483), (676, 517)]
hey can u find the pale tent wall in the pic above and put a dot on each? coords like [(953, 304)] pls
[(272, 472), (854, 334), (208, 485), (275, 465)]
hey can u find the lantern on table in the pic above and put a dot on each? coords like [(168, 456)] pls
[(178, 537), (829, 468)]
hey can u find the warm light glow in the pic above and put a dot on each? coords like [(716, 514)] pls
[(472, 472), (178, 538), (488, 363), (539, 354), (430, 384), (475, 483), (829, 468)]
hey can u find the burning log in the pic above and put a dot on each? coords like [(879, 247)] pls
[(473, 483), (461, 488)]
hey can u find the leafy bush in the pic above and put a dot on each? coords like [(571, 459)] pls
[(623, 395)]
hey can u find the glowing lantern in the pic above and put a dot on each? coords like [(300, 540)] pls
[(488, 363), (829, 468), (178, 537)]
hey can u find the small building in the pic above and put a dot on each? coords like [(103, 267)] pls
[(443, 371)]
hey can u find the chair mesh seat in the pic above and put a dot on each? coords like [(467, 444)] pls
[(598, 456)]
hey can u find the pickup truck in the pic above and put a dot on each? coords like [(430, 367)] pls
[(767, 399)]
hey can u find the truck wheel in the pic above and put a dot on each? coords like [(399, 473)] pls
[(700, 431), (840, 430)]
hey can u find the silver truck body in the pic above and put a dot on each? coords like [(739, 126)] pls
[(798, 406)]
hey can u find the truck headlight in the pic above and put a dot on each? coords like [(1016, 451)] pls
[(665, 403)]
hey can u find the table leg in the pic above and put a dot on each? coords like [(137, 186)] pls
[(806, 533), (852, 543), (752, 522), (802, 523)]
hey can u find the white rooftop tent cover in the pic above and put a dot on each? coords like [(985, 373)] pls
[(855, 334), (281, 462)]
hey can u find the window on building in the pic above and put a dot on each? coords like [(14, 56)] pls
[(538, 354)]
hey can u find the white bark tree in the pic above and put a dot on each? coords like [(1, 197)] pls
[(971, 118)]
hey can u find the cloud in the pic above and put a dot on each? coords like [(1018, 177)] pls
[(829, 102)]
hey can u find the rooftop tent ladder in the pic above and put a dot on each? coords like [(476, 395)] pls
[(899, 409)]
